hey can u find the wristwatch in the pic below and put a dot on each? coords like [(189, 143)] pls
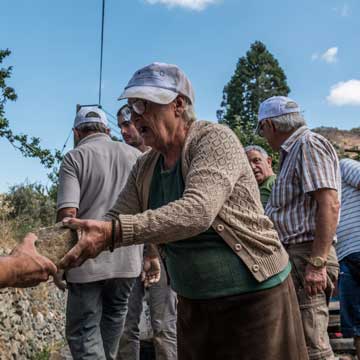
[(317, 262)]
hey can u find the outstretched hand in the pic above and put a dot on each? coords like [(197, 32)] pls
[(94, 237), (30, 268), (151, 271)]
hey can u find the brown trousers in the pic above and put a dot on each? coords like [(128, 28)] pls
[(261, 325), (314, 310)]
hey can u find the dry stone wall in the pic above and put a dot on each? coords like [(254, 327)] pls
[(31, 320)]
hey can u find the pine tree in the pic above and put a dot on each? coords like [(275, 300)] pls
[(257, 77)]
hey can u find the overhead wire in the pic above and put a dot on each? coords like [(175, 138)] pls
[(66, 141), (114, 128), (101, 48), (112, 116)]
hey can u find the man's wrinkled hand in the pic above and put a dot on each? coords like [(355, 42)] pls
[(94, 237), (151, 271), (315, 280), (30, 268)]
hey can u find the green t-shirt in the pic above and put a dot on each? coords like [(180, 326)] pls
[(265, 189), (204, 266)]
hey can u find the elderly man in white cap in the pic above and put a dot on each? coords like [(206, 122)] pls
[(194, 194), (304, 207), (91, 178)]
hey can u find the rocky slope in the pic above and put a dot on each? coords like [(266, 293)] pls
[(346, 142)]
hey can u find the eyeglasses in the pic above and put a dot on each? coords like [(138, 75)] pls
[(138, 106), (261, 128)]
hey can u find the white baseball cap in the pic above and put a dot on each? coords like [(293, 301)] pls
[(90, 114), (160, 83), (276, 106)]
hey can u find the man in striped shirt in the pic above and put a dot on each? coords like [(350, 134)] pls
[(348, 251), (304, 207)]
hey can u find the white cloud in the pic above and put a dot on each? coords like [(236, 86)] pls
[(329, 55), (188, 4), (345, 93)]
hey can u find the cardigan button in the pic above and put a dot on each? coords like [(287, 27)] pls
[(220, 227), (238, 247), (256, 268)]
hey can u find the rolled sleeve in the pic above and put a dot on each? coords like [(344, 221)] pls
[(320, 167)]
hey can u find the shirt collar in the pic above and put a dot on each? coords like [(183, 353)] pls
[(293, 138), (93, 137)]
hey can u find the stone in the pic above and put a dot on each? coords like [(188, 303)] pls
[(55, 241)]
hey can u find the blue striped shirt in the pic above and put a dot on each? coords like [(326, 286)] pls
[(308, 162), (348, 231)]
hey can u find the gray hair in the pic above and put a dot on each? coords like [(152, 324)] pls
[(288, 122), (92, 126), (189, 115), (258, 148)]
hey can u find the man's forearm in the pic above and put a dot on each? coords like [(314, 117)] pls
[(7, 273), (326, 222), (65, 212)]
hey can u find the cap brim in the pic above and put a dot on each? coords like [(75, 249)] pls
[(154, 94)]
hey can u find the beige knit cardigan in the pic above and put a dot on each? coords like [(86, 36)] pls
[(220, 192)]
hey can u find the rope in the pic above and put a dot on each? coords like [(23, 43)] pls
[(101, 48), (117, 131), (66, 141), (112, 116)]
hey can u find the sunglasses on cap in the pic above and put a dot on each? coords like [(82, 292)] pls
[(125, 112)]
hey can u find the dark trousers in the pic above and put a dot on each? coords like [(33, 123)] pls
[(261, 325), (349, 290), (95, 317), (162, 306)]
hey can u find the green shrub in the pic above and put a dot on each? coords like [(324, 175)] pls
[(31, 208)]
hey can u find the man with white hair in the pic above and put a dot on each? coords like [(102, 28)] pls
[(260, 163), (304, 207), (91, 177)]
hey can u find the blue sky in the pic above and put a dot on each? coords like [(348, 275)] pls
[(56, 44)]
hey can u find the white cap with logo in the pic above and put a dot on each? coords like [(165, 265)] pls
[(90, 114)]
